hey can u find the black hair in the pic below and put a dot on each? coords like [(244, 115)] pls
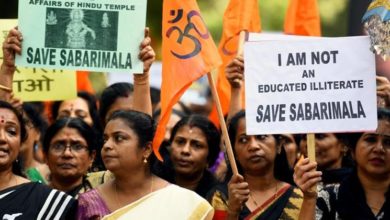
[(383, 114), (80, 125), (181, 114), (16, 167), (155, 95), (142, 124), (110, 95), (35, 117), (211, 133), (281, 168), (92, 108), (19, 116)]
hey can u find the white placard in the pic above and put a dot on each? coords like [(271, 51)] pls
[(310, 86)]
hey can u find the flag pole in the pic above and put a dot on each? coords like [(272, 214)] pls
[(311, 152), (225, 136)]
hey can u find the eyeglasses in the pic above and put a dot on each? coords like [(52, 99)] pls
[(59, 148)]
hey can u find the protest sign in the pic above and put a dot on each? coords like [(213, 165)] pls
[(310, 86), (37, 84), (33, 84), (99, 35)]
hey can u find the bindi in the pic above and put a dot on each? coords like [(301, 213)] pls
[(2, 120)]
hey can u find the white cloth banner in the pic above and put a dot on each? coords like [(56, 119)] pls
[(310, 85)]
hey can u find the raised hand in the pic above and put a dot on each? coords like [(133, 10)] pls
[(235, 72), (12, 45), (146, 54)]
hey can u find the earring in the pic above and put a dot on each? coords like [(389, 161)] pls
[(145, 160)]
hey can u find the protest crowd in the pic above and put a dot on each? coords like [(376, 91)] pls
[(137, 153)]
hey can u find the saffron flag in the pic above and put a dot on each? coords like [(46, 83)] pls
[(188, 51), (240, 15), (302, 18), (83, 82)]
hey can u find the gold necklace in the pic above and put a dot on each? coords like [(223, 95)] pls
[(116, 191), (274, 196)]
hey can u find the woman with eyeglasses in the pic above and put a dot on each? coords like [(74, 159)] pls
[(20, 198), (70, 147), (365, 194)]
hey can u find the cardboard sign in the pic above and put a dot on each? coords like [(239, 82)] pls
[(310, 85), (37, 84), (99, 35)]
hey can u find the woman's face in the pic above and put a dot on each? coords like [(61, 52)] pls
[(9, 138), (255, 153), (329, 150), (291, 148), (121, 103), (68, 155), (189, 151), (121, 150), (75, 108), (372, 153)]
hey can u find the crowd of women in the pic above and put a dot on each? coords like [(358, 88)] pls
[(98, 163)]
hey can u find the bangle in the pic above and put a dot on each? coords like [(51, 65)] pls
[(141, 79), (5, 88)]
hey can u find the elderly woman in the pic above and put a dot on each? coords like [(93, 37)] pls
[(20, 198), (70, 148), (365, 194), (135, 193), (194, 147), (85, 108)]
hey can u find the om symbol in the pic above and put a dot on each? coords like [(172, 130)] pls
[(187, 29), (225, 49)]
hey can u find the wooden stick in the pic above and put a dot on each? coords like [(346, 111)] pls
[(225, 136), (241, 40), (240, 53), (311, 151)]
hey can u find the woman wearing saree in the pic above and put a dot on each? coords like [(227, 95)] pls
[(260, 192), (136, 193), (257, 194), (20, 198)]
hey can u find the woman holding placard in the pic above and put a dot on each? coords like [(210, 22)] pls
[(332, 156), (365, 194), (258, 193)]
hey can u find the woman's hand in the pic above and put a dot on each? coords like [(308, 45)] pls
[(383, 91), (306, 177), (12, 45), (146, 54), (235, 72), (238, 194)]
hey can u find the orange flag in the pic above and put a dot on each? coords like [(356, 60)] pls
[(189, 52), (239, 15), (302, 18), (83, 82)]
